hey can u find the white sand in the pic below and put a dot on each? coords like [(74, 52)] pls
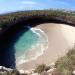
[(61, 38)]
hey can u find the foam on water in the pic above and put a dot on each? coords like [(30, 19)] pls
[(37, 49)]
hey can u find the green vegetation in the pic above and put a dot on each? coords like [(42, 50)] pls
[(12, 72), (41, 68), (7, 20), (66, 64)]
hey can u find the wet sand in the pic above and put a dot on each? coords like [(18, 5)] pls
[(61, 39)]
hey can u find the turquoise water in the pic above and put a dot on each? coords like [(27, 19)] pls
[(30, 45), (25, 43)]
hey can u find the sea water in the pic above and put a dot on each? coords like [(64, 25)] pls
[(30, 45)]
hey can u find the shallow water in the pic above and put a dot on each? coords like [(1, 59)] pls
[(30, 45), (25, 42)]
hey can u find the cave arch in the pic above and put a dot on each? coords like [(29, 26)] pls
[(7, 57)]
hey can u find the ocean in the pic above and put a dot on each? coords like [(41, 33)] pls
[(30, 45)]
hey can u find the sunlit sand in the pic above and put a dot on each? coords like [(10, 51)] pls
[(61, 39)]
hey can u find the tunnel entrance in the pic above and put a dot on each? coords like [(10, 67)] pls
[(12, 34)]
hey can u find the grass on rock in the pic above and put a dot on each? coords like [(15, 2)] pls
[(66, 65), (41, 68)]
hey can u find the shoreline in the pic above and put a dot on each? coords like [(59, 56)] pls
[(59, 45), (41, 34)]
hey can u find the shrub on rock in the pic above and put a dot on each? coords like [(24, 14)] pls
[(41, 68)]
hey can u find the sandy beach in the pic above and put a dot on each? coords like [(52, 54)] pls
[(61, 38)]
